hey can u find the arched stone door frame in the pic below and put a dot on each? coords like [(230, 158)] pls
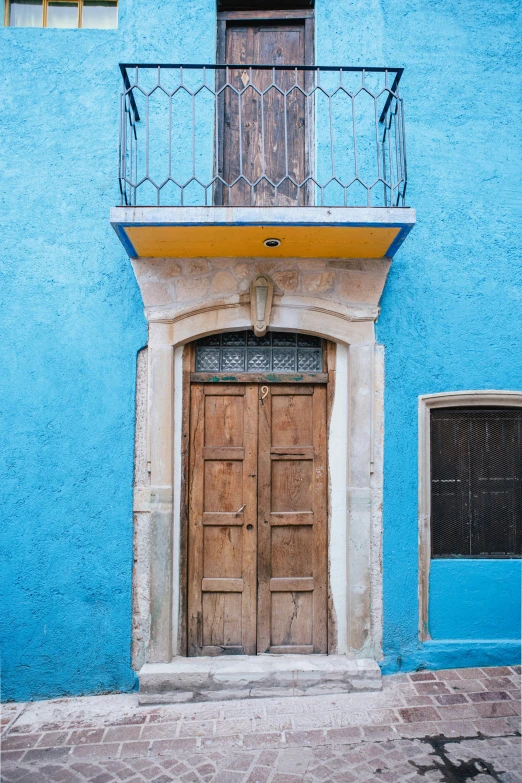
[(358, 391)]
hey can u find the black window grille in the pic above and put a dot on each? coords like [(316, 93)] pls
[(476, 482)]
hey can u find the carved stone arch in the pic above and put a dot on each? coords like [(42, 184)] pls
[(356, 592), (333, 321)]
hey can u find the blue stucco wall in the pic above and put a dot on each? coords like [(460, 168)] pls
[(474, 599), (72, 325), (73, 318), (450, 310)]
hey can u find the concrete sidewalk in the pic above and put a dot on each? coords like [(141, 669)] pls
[(452, 726)]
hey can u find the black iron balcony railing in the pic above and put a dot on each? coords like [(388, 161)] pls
[(259, 135)]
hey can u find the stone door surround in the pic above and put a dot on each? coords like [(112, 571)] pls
[(334, 299)]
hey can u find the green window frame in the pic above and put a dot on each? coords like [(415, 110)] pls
[(46, 6)]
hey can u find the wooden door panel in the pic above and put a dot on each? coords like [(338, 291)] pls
[(221, 622), (292, 485), (264, 130), (284, 118), (223, 546), (292, 551), (224, 424), (292, 420), (222, 519), (222, 486), (292, 520), (290, 622)]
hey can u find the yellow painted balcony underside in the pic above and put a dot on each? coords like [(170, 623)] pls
[(232, 241)]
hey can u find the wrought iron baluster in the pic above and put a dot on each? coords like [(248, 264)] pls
[(390, 146)]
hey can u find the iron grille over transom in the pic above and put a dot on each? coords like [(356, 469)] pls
[(244, 352), (476, 482)]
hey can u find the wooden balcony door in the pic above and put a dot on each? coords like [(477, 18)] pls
[(264, 136), (257, 519)]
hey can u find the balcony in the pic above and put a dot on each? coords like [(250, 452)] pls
[(259, 160)]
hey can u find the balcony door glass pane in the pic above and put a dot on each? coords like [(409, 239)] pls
[(62, 15), (100, 14), (26, 13)]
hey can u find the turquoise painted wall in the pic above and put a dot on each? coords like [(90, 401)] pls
[(72, 325), (450, 310), (474, 599), (73, 318)]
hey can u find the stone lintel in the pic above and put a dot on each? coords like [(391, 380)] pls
[(175, 289)]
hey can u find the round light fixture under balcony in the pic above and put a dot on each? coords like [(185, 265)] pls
[(272, 242)]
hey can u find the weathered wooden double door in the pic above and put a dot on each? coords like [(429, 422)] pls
[(257, 519)]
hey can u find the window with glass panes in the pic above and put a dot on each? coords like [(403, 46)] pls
[(276, 352), (88, 14)]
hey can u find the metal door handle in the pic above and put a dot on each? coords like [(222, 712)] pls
[(238, 512)]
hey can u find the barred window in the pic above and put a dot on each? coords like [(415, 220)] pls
[(476, 482)]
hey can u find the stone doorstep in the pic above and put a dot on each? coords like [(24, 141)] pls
[(260, 676)]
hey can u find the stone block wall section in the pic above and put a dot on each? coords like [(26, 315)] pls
[(141, 520), (183, 282)]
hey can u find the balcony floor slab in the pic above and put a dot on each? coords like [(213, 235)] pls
[(303, 232)]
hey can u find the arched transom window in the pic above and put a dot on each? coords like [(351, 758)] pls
[(274, 352)]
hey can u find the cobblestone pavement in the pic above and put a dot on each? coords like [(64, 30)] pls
[(450, 726)]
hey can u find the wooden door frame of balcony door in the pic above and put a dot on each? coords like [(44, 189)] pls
[(306, 15)]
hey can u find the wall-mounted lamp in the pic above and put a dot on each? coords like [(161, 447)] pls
[(272, 242), (261, 295)]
